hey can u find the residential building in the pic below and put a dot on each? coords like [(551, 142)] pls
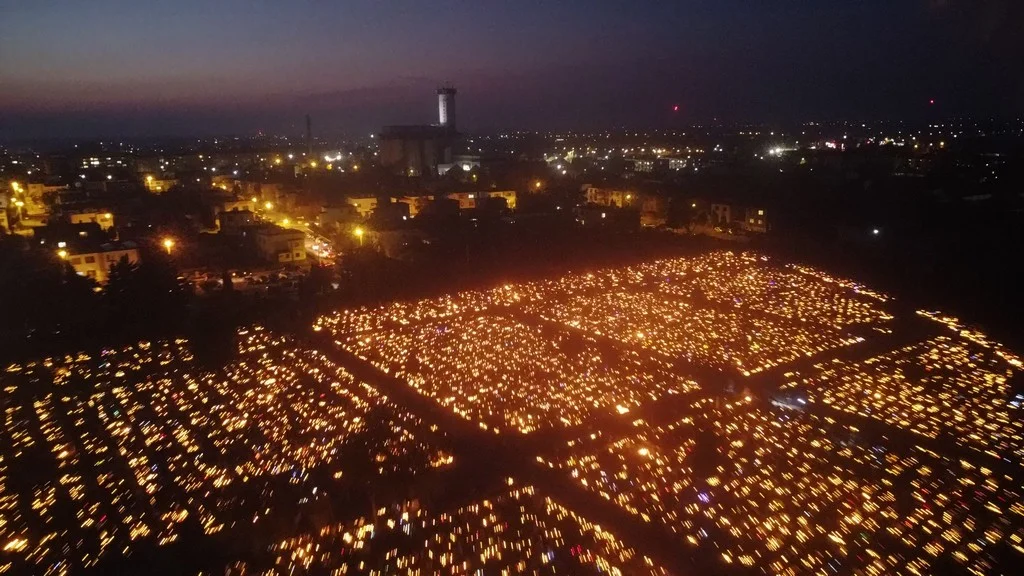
[(103, 218), (676, 163), (277, 244), (365, 205), (756, 220), (607, 217), (158, 185), (653, 210), (234, 222), (609, 197), (416, 203), (35, 195), (468, 200), (95, 261), (721, 213), (236, 204), (642, 164), (336, 217)]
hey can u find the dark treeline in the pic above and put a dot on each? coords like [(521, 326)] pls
[(50, 310)]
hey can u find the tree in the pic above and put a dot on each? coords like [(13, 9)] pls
[(48, 306), (144, 299)]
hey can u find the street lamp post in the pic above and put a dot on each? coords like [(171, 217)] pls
[(359, 232), (168, 245)]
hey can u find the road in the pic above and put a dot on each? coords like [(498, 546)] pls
[(318, 246)]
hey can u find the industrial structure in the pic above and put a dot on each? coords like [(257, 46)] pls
[(419, 150), (446, 107)]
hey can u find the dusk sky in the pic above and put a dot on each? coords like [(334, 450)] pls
[(183, 67)]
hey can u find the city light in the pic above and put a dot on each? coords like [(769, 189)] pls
[(62, 253), (167, 450), (359, 232), (502, 535), (268, 206), (168, 244)]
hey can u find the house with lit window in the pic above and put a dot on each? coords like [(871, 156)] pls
[(755, 220), (95, 261), (277, 244)]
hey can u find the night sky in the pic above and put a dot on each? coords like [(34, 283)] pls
[(199, 67)]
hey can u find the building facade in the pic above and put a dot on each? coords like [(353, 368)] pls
[(756, 220), (95, 262), (156, 185), (279, 245), (609, 197), (234, 222), (104, 219), (364, 205)]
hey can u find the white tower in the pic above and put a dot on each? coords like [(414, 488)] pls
[(446, 107)]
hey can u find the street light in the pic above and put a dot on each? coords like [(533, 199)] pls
[(168, 244), (359, 232), (63, 254), (268, 206), (537, 184)]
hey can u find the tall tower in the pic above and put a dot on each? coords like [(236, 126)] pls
[(446, 107), (309, 135)]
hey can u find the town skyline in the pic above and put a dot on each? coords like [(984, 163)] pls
[(134, 70)]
